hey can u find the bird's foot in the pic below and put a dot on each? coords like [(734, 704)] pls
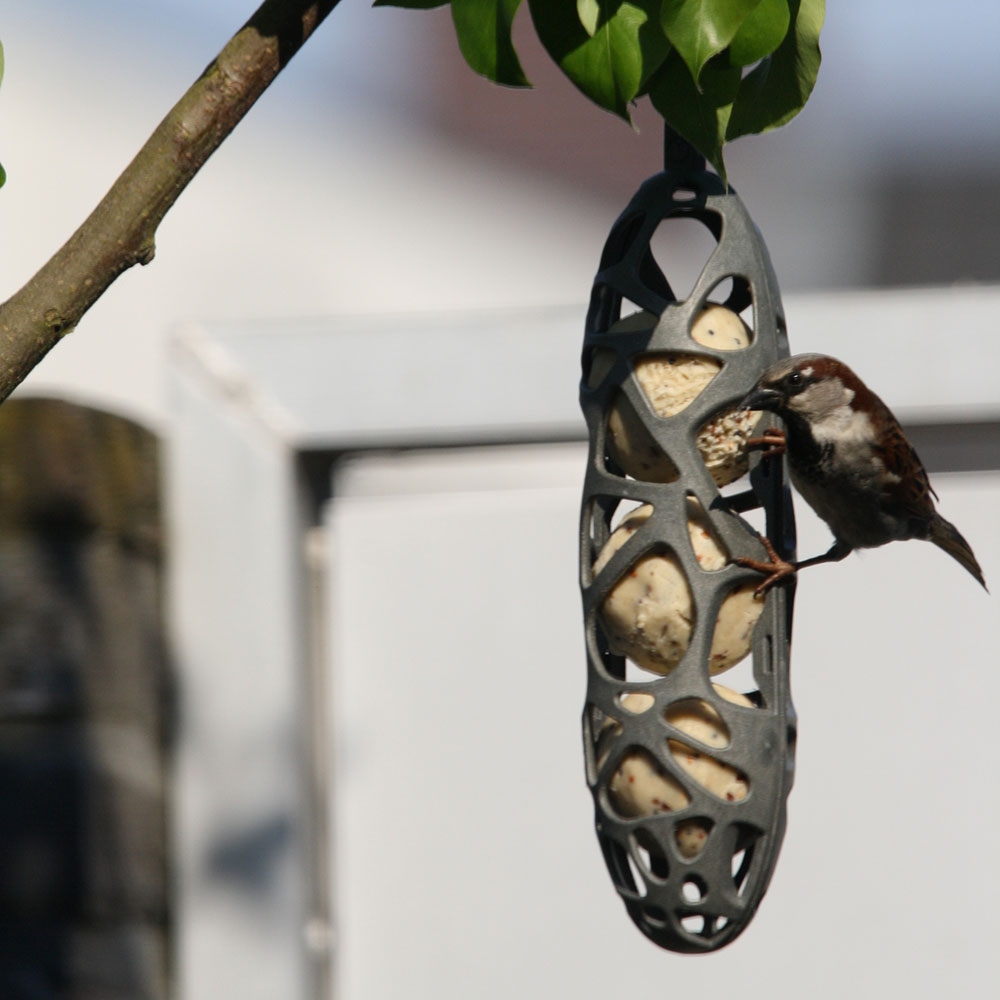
[(772, 441), (776, 569)]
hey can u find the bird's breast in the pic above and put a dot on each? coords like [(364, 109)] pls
[(848, 491)]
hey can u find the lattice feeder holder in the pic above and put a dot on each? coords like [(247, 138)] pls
[(689, 771)]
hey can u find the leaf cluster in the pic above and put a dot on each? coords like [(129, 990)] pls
[(714, 69)]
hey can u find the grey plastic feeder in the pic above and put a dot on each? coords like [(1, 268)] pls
[(683, 899)]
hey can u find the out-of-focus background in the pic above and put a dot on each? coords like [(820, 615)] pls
[(381, 175), (381, 191)]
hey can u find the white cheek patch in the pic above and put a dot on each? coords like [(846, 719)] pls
[(846, 426)]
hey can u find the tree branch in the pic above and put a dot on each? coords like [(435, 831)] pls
[(121, 231)]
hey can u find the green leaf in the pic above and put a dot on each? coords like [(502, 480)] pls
[(483, 28), (698, 113), (761, 33), (776, 90), (415, 4), (589, 12), (700, 29), (611, 64)]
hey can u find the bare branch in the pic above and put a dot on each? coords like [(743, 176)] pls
[(121, 231)]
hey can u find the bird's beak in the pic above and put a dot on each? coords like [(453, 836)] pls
[(761, 398)]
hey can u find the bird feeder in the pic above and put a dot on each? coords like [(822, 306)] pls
[(689, 774)]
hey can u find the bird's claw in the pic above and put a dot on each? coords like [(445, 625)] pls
[(772, 441), (777, 569)]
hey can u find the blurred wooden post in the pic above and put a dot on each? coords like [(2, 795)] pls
[(84, 708)]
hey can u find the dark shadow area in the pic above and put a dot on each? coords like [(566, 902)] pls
[(85, 698)]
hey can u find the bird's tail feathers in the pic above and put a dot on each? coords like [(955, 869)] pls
[(946, 536)]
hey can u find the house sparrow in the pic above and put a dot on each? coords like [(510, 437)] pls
[(850, 460)]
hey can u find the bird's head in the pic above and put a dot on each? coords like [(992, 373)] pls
[(813, 387)]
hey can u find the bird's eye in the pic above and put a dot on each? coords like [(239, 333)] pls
[(795, 378)]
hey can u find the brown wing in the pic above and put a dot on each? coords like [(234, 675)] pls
[(912, 490)]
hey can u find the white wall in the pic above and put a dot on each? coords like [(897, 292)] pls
[(460, 826), (466, 859)]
